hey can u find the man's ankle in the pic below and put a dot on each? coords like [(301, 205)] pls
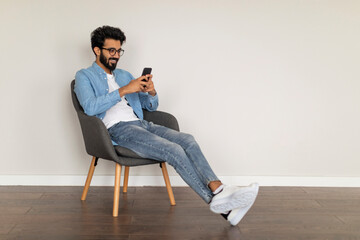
[(214, 185), (218, 190)]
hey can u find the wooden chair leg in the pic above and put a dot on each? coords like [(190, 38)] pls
[(88, 179), (126, 179), (117, 190), (168, 185)]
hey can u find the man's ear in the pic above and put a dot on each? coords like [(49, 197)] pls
[(97, 51)]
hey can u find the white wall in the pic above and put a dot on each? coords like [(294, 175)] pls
[(268, 88)]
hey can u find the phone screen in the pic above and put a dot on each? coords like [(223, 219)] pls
[(146, 71)]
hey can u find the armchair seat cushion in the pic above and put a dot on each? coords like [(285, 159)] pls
[(130, 158), (125, 152)]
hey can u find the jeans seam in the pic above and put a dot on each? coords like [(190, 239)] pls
[(208, 180)]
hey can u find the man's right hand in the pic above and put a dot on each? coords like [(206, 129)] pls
[(136, 85)]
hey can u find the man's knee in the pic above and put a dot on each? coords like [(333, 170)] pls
[(175, 149), (189, 139)]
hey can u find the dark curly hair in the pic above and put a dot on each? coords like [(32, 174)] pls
[(99, 35)]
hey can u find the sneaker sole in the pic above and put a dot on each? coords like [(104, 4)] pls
[(236, 200), (242, 212)]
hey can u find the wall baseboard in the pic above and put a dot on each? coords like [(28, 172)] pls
[(78, 180)]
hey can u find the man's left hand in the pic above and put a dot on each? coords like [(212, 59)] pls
[(149, 86)]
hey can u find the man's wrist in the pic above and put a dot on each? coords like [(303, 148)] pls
[(123, 91), (152, 93)]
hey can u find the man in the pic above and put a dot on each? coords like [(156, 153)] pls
[(117, 98)]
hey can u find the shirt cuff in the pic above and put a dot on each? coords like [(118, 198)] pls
[(153, 100)]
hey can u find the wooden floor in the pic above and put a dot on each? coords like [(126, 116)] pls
[(145, 213)]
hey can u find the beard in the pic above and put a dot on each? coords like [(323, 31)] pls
[(106, 62)]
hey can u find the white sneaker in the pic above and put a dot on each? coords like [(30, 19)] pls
[(232, 197), (237, 214)]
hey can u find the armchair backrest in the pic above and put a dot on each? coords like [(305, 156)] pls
[(75, 101), (96, 137)]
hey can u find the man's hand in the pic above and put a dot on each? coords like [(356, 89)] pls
[(150, 88), (138, 85)]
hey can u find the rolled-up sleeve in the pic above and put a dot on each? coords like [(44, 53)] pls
[(149, 102)]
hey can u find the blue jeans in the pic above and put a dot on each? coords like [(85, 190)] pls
[(178, 149)]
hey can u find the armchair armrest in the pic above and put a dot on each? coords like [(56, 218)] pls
[(162, 118)]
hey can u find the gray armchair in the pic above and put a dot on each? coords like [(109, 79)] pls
[(99, 145)]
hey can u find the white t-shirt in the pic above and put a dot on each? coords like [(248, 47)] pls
[(120, 112)]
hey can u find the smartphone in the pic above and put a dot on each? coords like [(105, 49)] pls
[(146, 71)]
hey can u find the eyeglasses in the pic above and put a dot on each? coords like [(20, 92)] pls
[(113, 51)]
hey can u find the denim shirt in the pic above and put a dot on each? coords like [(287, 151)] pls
[(92, 91)]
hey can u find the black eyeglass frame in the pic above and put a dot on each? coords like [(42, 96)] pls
[(113, 51)]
